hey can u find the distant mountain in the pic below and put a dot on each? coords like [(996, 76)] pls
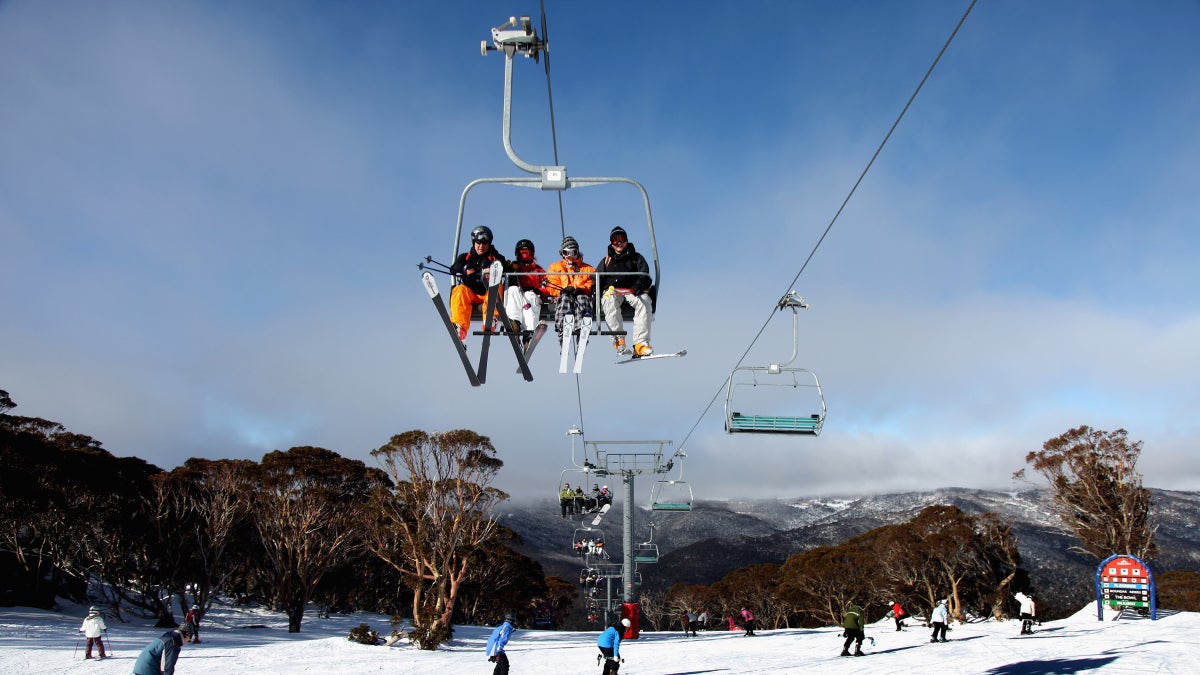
[(701, 546)]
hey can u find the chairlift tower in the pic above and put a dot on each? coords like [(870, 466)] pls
[(629, 459)]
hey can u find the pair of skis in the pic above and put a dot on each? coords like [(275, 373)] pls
[(478, 375), (585, 332)]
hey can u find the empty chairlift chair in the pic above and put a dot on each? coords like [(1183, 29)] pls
[(784, 400)]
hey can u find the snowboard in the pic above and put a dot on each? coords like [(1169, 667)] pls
[(631, 358), (600, 516)]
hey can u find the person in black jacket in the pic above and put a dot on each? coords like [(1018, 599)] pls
[(625, 277), (471, 268)]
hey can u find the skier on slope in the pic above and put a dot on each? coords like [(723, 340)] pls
[(854, 623), (93, 626), (939, 618), (748, 621), (898, 614), (1028, 612), (496, 642), (610, 646), (192, 618)]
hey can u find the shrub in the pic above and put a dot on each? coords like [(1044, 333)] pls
[(363, 635)]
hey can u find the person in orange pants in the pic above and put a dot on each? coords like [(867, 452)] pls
[(471, 268)]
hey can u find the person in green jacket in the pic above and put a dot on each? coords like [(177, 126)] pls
[(566, 499), (854, 625)]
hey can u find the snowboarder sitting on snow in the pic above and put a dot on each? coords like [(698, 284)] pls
[(1028, 612), (93, 625), (898, 614), (158, 658), (939, 617), (854, 623), (496, 642), (610, 646)]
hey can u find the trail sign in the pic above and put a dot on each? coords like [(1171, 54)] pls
[(1125, 581)]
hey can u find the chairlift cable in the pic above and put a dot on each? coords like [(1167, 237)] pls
[(838, 213), (562, 222)]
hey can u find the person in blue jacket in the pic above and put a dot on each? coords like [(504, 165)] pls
[(158, 658), (610, 646), (496, 642)]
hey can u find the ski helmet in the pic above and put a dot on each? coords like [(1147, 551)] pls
[(625, 622), (508, 616), (618, 231), (524, 243), (482, 233), (93, 610)]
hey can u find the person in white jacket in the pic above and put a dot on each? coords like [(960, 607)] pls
[(93, 626), (939, 618), (1028, 612)]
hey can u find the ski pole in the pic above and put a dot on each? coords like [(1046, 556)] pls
[(76, 647)]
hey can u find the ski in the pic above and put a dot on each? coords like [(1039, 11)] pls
[(585, 332), (432, 289), (565, 348), (515, 332), (494, 274), (600, 515), (631, 359), (533, 341)]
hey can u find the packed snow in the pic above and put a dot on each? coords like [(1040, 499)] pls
[(236, 640)]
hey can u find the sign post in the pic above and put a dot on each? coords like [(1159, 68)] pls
[(1125, 581)]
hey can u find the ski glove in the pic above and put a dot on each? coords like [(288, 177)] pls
[(491, 659)]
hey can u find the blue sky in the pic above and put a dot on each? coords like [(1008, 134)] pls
[(211, 215)]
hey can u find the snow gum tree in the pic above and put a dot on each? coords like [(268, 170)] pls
[(1097, 491), (437, 514), (306, 505)]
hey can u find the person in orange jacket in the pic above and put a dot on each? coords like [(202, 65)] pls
[(571, 282)]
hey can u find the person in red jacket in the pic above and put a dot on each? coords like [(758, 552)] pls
[(192, 618), (523, 299), (898, 614)]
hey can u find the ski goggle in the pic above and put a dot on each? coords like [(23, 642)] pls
[(569, 252)]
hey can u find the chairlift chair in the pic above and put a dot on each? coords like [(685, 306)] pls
[(671, 495), (788, 396), (523, 40)]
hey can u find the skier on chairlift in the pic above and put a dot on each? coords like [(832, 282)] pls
[(523, 299), (471, 267), (625, 278)]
